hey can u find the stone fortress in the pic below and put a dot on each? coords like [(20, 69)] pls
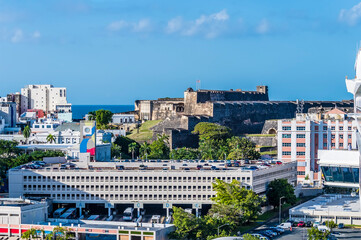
[(242, 111)]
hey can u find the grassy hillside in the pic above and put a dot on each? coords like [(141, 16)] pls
[(145, 134)]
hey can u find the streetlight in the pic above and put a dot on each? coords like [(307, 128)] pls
[(280, 209), (220, 227)]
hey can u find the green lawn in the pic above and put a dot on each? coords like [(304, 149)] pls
[(145, 134), (274, 152)]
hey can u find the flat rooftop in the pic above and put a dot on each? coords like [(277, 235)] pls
[(16, 202), (154, 165), (329, 204)]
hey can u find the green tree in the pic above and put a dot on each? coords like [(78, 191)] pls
[(213, 131), (102, 117), (315, 234), (116, 151), (246, 202), (132, 148), (124, 143), (242, 148), (50, 138), (331, 225), (26, 132), (30, 234), (159, 148), (248, 236), (60, 233), (280, 188), (144, 149), (186, 224)]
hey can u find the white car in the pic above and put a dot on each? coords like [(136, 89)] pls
[(261, 237)]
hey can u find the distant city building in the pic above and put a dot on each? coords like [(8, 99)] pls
[(123, 118), (46, 98), (300, 140), (8, 113)]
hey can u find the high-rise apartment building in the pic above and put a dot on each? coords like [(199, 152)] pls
[(45, 97), (300, 139)]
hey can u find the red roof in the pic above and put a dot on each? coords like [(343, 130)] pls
[(335, 111)]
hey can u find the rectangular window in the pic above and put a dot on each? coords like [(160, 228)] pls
[(349, 128), (286, 153), (349, 136), (300, 172), (286, 144), (324, 128), (300, 136), (341, 128), (286, 135), (301, 144), (341, 136), (300, 153), (286, 128), (333, 128), (332, 136), (324, 135), (341, 144), (333, 144), (324, 145), (301, 128)]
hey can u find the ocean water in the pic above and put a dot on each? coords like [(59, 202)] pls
[(79, 111)]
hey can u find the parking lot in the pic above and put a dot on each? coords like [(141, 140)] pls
[(299, 233)]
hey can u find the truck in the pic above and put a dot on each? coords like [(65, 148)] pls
[(128, 214)]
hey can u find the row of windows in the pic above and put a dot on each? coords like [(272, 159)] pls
[(131, 197), (349, 136), (115, 188), (302, 128), (128, 179), (297, 144), (288, 153)]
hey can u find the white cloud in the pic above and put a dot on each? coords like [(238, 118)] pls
[(118, 25), (36, 35), (263, 27), (209, 26), (174, 25), (143, 25), (17, 36), (351, 16)]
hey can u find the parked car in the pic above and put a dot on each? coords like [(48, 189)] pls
[(316, 224), (309, 224), (341, 225), (301, 224), (277, 229)]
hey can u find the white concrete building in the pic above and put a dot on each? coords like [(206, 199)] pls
[(103, 183), (45, 97), (123, 118), (20, 211)]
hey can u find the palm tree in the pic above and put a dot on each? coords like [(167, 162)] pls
[(26, 132), (132, 147), (144, 148), (92, 115), (50, 138), (30, 234)]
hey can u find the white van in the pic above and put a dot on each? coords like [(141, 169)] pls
[(285, 225)]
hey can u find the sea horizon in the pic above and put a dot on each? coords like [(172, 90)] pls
[(79, 111)]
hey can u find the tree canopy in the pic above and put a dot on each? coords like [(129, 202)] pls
[(211, 131), (233, 206), (102, 117), (315, 234), (280, 188), (123, 143)]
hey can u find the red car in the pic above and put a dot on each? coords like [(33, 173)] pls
[(301, 224)]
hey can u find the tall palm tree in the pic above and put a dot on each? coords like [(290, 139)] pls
[(50, 138), (26, 132), (144, 148), (132, 147)]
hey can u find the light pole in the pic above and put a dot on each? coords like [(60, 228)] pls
[(220, 227), (280, 209)]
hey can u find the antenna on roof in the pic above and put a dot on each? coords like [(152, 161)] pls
[(198, 84)]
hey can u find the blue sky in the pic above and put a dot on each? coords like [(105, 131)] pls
[(113, 52)]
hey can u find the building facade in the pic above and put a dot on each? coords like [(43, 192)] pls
[(103, 183), (301, 139), (45, 97)]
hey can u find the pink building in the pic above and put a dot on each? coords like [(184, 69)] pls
[(301, 138)]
